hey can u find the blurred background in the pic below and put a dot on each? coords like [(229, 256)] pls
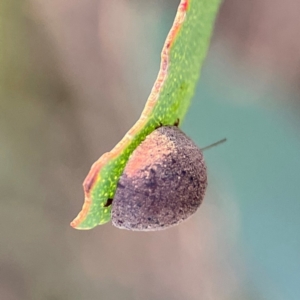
[(74, 76)]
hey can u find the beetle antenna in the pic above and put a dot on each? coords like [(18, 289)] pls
[(214, 144)]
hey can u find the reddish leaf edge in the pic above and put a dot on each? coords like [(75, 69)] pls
[(94, 173)]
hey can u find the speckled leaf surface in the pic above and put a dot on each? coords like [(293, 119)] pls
[(181, 60)]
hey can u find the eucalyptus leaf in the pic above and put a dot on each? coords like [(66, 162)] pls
[(181, 60)]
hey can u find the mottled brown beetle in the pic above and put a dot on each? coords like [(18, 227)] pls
[(163, 183)]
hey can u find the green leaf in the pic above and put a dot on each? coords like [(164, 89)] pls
[(182, 57)]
